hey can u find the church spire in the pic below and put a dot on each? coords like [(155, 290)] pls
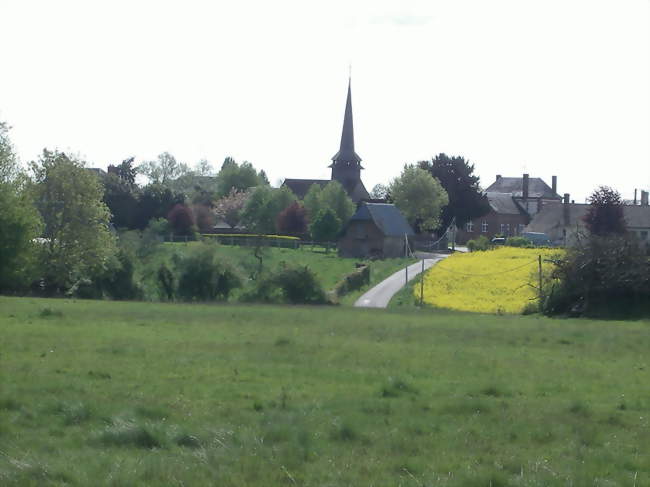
[(346, 152)]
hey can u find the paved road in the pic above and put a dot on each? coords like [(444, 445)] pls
[(380, 295)]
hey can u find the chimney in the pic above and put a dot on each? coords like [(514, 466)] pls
[(525, 187), (566, 209), (644, 198), (498, 176), (634, 196), (554, 184)]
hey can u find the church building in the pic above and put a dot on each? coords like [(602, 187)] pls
[(346, 164)]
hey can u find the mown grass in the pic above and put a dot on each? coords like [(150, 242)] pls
[(503, 280), (105, 393)]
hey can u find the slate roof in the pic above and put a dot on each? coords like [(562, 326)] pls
[(300, 187), (504, 204), (537, 188), (386, 216), (552, 215)]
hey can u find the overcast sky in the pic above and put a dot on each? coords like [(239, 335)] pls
[(544, 87)]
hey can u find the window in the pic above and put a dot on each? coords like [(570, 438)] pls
[(484, 226), (520, 228), (469, 226), (505, 229), (644, 235)]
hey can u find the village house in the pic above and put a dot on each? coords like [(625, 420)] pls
[(513, 202), (563, 221), (375, 230)]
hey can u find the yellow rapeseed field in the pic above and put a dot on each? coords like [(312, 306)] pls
[(495, 281)]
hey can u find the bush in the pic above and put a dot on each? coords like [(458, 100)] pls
[(288, 284), (117, 281), (181, 220), (600, 274), (519, 242), (353, 281), (202, 277), (481, 243)]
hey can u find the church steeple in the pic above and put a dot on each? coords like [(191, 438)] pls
[(346, 152)]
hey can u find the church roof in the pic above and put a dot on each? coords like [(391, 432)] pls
[(346, 151), (300, 187), (387, 217)]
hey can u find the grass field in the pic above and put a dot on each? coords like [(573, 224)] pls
[(494, 281), (106, 393)]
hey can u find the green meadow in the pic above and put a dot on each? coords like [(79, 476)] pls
[(125, 393)]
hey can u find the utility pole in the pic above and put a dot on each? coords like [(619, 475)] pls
[(539, 266)]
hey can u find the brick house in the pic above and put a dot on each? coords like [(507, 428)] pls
[(513, 202)]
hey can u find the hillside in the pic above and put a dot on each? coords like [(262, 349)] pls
[(105, 393)]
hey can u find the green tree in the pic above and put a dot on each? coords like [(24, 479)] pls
[(156, 201), (121, 198), (312, 200), (466, 199), (239, 176), (79, 243), (20, 222), (419, 196), (124, 171), (263, 207), (163, 170), (334, 197), (325, 227)]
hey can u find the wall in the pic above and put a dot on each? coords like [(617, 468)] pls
[(494, 221)]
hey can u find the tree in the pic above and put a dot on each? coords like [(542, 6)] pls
[(155, 201), (263, 207), (335, 197), (121, 198), (181, 220), (20, 222), (124, 171), (380, 192), (312, 200), (605, 214), (419, 196), (163, 170), (466, 200), (326, 226), (79, 243), (229, 208), (241, 177), (292, 220)]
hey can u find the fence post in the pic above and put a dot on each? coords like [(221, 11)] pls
[(541, 297), (422, 285)]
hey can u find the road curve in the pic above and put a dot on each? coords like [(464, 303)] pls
[(380, 295)]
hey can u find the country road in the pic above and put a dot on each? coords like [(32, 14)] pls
[(380, 295)]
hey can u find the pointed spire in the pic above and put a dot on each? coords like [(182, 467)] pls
[(346, 152)]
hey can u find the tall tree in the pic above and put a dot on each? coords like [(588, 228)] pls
[(124, 171), (155, 201), (239, 176), (20, 222), (312, 201), (163, 170), (292, 220), (419, 196), (263, 207), (605, 214), (456, 175), (336, 198), (325, 226), (69, 198)]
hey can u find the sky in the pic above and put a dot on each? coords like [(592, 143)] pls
[(553, 87)]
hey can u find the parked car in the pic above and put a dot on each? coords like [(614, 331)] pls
[(498, 241)]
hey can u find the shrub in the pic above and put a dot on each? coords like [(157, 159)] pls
[(353, 281), (519, 242), (202, 277), (600, 274), (288, 284), (481, 243), (292, 220)]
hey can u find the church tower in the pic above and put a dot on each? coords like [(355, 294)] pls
[(346, 164)]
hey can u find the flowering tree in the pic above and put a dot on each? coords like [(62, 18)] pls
[(229, 208)]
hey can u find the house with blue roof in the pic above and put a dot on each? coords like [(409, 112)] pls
[(375, 230)]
